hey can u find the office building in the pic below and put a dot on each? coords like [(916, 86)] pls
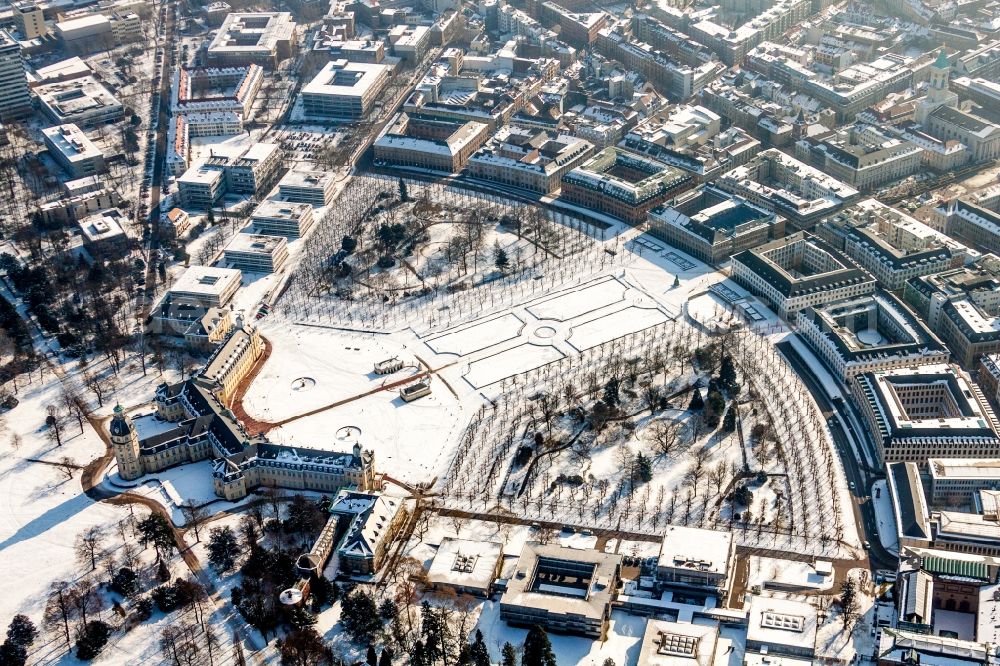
[(74, 152), (15, 98)]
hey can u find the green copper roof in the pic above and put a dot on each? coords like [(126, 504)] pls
[(949, 567), (942, 60)]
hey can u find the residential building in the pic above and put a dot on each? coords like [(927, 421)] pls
[(863, 156), (797, 272), (974, 224), (962, 306), (889, 244), (988, 376), (74, 151), (798, 192)]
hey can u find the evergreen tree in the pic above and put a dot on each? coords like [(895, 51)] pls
[(386, 658), (21, 631), (848, 602), (388, 610), (12, 654), (359, 615), (697, 402), (677, 281), (478, 651), (508, 655), (500, 258), (727, 373), (537, 649), (404, 195), (729, 420), (154, 530), (419, 656), (371, 657), (643, 469), (431, 628), (223, 548)]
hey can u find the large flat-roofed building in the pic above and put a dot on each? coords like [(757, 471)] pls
[(955, 481), (255, 253), (902, 648), (781, 627), (929, 411), (410, 42), (692, 557), (667, 643), (201, 186), (528, 159), (15, 97), (344, 90), (868, 333), (466, 567), (84, 102), (282, 218), (962, 306), (206, 285), (104, 231), (712, 226), (73, 150), (563, 590), (253, 170), (429, 143), (29, 17), (261, 38), (890, 244), (623, 185), (797, 272), (797, 191), (312, 187)]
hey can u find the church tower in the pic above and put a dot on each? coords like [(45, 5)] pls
[(939, 94), (125, 442)]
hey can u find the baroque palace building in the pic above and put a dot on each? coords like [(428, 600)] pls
[(193, 422)]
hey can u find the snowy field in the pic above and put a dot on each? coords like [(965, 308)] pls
[(510, 362), (580, 301), (478, 336), (629, 320), (310, 368)]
